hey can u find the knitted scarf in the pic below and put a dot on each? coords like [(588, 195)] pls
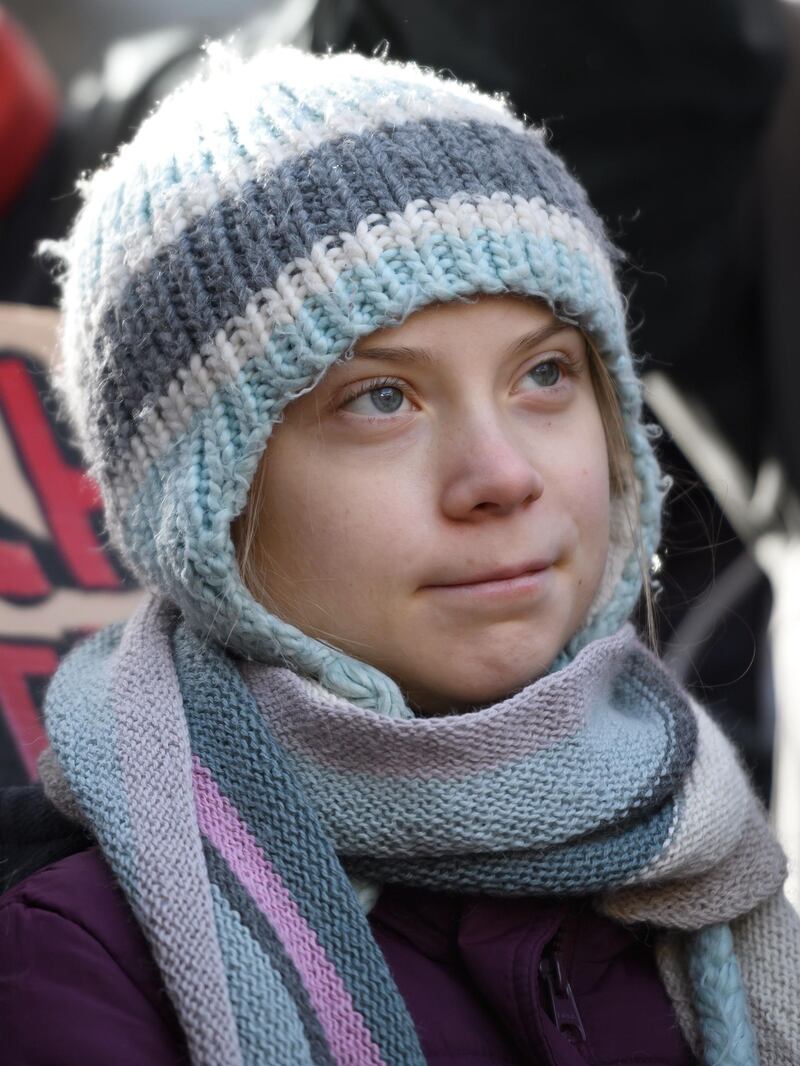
[(233, 801)]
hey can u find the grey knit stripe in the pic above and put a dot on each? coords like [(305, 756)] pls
[(241, 245), (768, 948), (266, 937)]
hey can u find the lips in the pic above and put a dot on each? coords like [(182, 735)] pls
[(505, 573)]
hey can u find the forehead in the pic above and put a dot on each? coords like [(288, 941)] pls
[(498, 321)]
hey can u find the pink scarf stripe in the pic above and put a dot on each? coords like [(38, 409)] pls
[(348, 1037)]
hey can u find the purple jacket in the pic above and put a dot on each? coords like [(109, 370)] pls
[(487, 981)]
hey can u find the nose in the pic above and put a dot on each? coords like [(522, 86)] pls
[(488, 473)]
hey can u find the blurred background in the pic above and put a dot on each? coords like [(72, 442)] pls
[(75, 36), (680, 119)]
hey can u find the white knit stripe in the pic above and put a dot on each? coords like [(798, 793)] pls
[(245, 336), (710, 819), (248, 144)]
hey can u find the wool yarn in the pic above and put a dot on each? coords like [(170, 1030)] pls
[(231, 840), (266, 216)]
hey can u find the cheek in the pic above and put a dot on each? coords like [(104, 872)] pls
[(594, 498), (588, 489), (335, 520), (594, 516)]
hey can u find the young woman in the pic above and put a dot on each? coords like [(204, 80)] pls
[(380, 773)]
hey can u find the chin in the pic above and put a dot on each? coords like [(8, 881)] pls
[(470, 670), (475, 689)]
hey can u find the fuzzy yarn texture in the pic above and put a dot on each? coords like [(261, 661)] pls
[(265, 217), (231, 798)]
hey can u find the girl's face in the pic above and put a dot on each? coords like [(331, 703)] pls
[(439, 505)]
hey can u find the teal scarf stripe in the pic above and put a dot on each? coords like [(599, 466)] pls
[(233, 742), (287, 993), (69, 699), (603, 861), (266, 1019), (364, 814), (644, 737), (642, 683), (723, 1009)]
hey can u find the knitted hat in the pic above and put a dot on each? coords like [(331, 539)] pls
[(266, 216)]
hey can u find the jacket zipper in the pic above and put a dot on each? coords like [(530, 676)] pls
[(563, 1008)]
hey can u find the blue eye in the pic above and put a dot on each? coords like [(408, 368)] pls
[(546, 374), (387, 399), (381, 398)]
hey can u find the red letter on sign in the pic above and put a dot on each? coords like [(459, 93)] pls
[(21, 577), (67, 495)]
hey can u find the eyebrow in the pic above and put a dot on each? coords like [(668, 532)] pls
[(404, 354)]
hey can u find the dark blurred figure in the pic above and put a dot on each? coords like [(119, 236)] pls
[(661, 110)]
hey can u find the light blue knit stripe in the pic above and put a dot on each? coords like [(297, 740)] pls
[(79, 692), (720, 999), (365, 298), (591, 864), (270, 1028)]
